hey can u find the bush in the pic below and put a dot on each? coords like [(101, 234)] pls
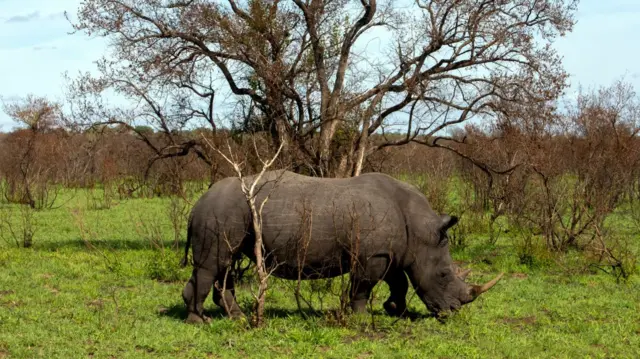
[(163, 265)]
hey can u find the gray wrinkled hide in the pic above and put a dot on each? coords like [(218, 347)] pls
[(315, 226)]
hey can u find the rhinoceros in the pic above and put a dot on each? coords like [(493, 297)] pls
[(372, 226)]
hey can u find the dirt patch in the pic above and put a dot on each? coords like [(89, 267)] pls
[(96, 304), (552, 314), (521, 322), (6, 292), (145, 348), (365, 355), (368, 336), (53, 290), (12, 304), (519, 275), (163, 310)]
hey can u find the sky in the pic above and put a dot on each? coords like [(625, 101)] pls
[(36, 47)]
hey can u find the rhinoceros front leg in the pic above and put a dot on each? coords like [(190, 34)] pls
[(396, 305), (360, 293), (363, 281)]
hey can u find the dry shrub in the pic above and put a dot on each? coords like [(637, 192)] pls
[(18, 226), (613, 253), (177, 212), (30, 168), (161, 265), (149, 229), (583, 176), (103, 197), (31, 156), (90, 237), (556, 175)]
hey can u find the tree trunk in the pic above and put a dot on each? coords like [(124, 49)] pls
[(263, 276), (363, 143), (327, 131)]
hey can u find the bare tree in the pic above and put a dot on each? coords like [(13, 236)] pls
[(38, 114), (250, 188), (303, 71)]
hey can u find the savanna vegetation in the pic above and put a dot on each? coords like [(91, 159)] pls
[(465, 103)]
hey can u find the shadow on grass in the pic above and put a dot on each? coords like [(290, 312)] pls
[(179, 312), (104, 244)]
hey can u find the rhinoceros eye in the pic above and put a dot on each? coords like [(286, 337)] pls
[(445, 273)]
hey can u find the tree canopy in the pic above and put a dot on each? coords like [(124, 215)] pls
[(303, 72)]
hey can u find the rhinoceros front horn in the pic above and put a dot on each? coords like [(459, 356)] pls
[(476, 290)]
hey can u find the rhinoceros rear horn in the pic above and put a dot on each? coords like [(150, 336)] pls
[(448, 222), (476, 290), (463, 274)]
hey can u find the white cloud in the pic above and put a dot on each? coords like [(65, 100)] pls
[(23, 18)]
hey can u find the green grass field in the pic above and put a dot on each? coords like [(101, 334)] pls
[(89, 288)]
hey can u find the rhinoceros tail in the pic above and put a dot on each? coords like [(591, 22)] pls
[(185, 259)]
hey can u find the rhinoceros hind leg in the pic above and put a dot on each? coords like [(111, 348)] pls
[(195, 292), (227, 302)]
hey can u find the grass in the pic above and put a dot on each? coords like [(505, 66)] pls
[(95, 285)]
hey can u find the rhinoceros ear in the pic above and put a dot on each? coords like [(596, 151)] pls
[(448, 222)]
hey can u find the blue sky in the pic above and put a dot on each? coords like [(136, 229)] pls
[(35, 48)]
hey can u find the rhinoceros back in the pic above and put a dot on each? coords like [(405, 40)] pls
[(316, 225)]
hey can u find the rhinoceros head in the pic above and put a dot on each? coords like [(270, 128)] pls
[(438, 281)]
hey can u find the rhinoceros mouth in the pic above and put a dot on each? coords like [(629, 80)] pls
[(468, 294)]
